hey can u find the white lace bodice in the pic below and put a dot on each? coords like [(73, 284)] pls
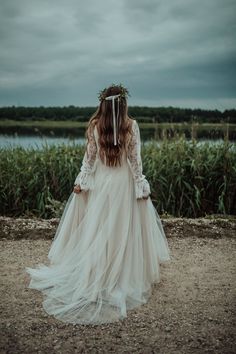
[(84, 178)]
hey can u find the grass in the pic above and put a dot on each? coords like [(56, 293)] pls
[(186, 179)]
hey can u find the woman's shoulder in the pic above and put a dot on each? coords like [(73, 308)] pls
[(92, 124), (134, 125), (131, 121), (94, 121)]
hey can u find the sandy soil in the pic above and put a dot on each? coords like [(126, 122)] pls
[(192, 309)]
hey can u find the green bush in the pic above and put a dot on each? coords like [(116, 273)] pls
[(186, 179)]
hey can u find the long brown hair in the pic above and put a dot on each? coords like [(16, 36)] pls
[(109, 153)]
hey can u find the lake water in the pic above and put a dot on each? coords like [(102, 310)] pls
[(38, 142), (35, 141)]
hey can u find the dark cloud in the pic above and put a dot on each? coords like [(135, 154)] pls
[(166, 52)]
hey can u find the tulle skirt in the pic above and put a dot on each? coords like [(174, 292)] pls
[(106, 252)]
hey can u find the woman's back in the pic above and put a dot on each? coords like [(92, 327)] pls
[(125, 147), (131, 155)]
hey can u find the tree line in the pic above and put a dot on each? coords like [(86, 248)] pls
[(141, 113)]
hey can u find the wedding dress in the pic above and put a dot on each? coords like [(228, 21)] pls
[(109, 244)]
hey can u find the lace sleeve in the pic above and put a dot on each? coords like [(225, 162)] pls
[(85, 176), (142, 187)]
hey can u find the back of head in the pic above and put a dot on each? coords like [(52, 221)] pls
[(110, 153)]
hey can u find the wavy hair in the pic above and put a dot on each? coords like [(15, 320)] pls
[(109, 153)]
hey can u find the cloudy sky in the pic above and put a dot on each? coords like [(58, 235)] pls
[(166, 52)]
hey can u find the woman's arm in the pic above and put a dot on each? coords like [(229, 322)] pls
[(142, 187), (84, 178)]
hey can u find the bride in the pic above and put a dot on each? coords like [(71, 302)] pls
[(109, 243)]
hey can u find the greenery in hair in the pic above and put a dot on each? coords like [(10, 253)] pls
[(124, 92)]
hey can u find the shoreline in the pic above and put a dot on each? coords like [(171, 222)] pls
[(32, 228)]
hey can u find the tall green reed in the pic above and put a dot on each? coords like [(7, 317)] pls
[(186, 179), (190, 179)]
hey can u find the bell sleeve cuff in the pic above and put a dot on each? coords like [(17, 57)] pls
[(142, 188), (85, 180)]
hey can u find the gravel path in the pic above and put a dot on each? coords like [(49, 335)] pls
[(192, 309)]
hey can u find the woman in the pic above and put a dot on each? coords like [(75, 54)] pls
[(110, 242)]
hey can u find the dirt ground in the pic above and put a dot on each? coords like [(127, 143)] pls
[(191, 310)]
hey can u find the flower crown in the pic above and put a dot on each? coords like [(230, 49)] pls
[(124, 92)]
